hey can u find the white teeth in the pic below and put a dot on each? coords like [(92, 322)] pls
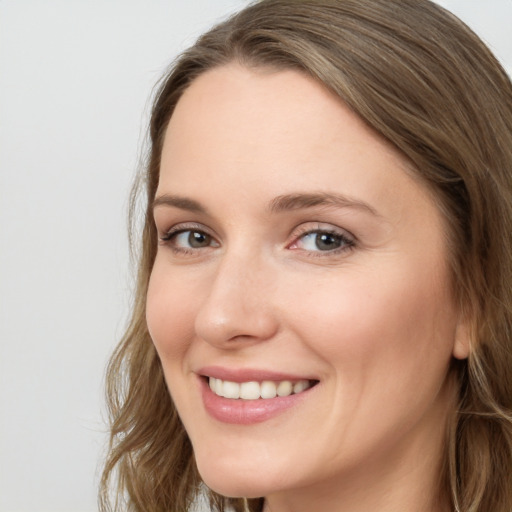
[(254, 390), (230, 389), (300, 386), (218, 387), (284, 388), (268, 389), (249, 390)]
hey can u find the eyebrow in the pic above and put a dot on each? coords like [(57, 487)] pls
[(183, 203), (309, 200), (283, 203)]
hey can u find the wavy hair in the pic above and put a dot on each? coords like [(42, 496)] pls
[(422, 79)]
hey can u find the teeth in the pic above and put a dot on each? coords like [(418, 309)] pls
[(255, 390), (284, 388), (218, 387), (300, 386), (249, 390), (230, 389), (268, 389)]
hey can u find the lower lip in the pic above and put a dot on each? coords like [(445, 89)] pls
[(247, 412)]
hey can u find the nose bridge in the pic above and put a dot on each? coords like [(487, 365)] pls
[(238, 305)]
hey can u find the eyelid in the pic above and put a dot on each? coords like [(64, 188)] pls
[(321, 227), (184, 226)]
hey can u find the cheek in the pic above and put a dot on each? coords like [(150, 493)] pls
[(386, 346), (169, 315), (396, 320)]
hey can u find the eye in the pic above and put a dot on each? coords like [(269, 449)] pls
[(322, 240), (192, 239), (188, 240)]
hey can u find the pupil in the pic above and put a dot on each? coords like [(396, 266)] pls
[(326, 241), (196, 239)]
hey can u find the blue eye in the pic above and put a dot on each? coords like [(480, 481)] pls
[(324, 241)]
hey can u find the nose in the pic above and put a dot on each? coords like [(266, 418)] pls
[(239, 304)]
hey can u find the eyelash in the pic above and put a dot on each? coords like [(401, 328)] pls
[(170, 236), (346, 240)]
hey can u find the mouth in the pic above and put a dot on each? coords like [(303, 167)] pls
[(247, 397), (254, 390)]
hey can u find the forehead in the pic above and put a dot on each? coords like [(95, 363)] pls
[(262, 101), (276, 132)]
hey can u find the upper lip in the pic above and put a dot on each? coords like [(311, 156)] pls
[(248, 374)]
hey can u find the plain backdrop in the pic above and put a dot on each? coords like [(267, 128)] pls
[(75, 78)]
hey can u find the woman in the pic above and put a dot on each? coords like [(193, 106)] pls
[(323, 311)]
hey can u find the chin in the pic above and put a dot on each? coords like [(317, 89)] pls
[(234, 486), (236, 480)]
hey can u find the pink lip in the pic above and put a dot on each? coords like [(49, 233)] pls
[(246, 412)]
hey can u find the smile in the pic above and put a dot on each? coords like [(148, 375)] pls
[(254, 390)]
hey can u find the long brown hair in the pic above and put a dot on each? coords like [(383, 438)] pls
[(425, 81)]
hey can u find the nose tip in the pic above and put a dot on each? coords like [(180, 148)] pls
[(237, 308), (220, 329)]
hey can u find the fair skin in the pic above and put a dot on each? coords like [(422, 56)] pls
[(347, 289)]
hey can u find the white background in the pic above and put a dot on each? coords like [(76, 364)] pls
[(75, 77)]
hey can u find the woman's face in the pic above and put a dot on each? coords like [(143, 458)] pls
[(297, 253)]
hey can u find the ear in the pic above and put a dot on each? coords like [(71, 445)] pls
[(463, 336)]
